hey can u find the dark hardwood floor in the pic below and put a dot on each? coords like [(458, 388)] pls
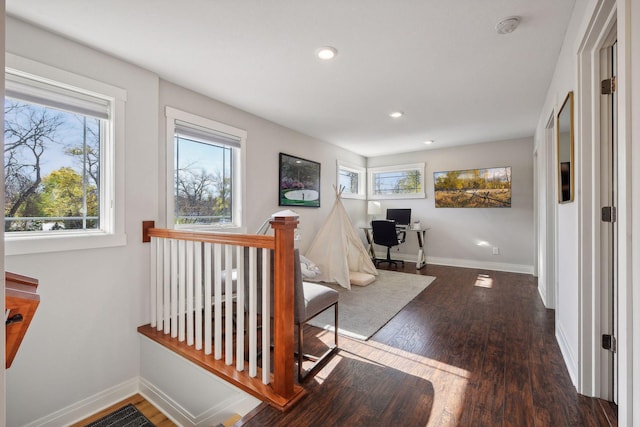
[(476, 348)]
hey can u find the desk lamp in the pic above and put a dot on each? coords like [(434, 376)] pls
[(373, 209)]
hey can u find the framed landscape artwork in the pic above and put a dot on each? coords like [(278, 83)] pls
[(299, 182), (473, 188)]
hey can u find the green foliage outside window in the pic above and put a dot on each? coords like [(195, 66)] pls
[(51, 165)]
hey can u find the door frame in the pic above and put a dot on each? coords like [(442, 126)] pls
[(551, 214), (545, 214), (607, 238), (590, 382)]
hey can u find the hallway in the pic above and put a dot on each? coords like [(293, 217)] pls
[(476, 348)]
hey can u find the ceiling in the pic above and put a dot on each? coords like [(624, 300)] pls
[(440, 62)]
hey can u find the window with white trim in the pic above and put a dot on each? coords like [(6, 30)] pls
[(397, 182), (204, 161), (352, 179), (58, 158)]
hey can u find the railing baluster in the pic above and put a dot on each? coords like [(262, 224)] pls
[(217, 301), (197, 279), (166, 280), (208, 337), (182, 289), (174, 288), (190, 283), (240, 308), (159, 281), (153, 288), (253, 313), (266, 316), (228, 305)]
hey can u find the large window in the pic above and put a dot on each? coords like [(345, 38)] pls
[(205, 165), (397, 182), (56, 140)]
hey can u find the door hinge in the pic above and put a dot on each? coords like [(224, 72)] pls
[(609, 342), (608, 86), (609, 214)]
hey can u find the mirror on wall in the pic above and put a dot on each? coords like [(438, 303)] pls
[(564, 125)]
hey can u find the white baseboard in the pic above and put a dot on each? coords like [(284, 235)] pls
[(465, 263), (86, 407), (569, 359), (485, 265), (186, 393), (182, 417), (177, 402), (542, 291)]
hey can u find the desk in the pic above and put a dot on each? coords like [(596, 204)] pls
[(421, 232)]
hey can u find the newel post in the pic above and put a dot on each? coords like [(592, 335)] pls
[(283, 301)]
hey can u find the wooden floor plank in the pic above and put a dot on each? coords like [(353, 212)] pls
[(476, 348)]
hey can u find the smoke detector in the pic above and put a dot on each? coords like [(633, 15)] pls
[(507, 25)]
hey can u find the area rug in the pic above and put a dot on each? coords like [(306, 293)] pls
[(127, 416), (363, 310)]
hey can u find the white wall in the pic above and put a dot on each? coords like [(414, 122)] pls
[(83, 338), (578, 306), (264, 141), (632, 294), (456, 233), (188, 394), (563, 82)]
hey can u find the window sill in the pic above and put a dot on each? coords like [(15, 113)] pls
[(22, 245), (397, 196), (354, 196), (212, 229)]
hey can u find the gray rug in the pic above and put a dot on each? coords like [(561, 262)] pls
[(365, 309)]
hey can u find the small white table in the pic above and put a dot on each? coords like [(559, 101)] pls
[(421, 232)]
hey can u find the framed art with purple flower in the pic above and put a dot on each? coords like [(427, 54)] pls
[(299, 182)]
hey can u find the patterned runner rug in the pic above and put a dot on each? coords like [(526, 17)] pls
[(127, 416)]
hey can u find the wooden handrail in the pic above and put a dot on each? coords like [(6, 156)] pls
[(257, 241), (21, 302)]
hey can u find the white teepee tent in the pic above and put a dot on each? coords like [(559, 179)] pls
[(337, 250)]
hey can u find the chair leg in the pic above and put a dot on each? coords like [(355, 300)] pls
[(319, 361), (388, 259), (335, 335), (300, 353)]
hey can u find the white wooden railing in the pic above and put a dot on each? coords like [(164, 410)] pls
[(187, 288), (194, 302)]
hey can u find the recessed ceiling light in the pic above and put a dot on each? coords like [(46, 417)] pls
[(396, 114), (428, 141), (326, 52), (507, 25)]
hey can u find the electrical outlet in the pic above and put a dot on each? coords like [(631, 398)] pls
[(496, 251)]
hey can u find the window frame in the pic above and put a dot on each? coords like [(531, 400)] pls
[(237, 184), (112, 206), (371, 172), (362, 179)]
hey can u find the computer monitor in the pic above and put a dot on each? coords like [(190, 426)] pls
[(400, 216)]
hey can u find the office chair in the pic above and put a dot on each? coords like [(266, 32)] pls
[(385, 234)]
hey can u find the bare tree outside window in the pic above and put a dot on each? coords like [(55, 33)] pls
[(52, 172), (202, 183)]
